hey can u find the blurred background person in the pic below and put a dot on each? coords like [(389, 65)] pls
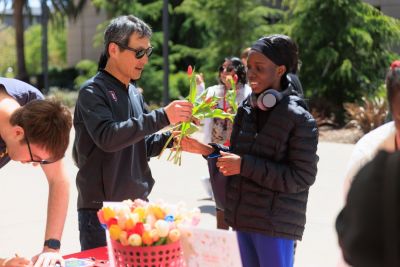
[(244, 55), (386, 137), (218, 130), (368, 226)]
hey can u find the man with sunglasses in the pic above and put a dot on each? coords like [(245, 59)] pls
[(36, 131), (114, 134)]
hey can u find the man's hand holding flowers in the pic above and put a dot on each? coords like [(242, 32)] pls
[(178, 111), (201, 108)]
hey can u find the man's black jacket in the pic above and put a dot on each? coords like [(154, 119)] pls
[(113, 139)]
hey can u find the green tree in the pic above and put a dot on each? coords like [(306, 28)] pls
[(345, 48), (7, 51), (57, 49), (61, 8), (202, 33), (56, 43), (225, 27)]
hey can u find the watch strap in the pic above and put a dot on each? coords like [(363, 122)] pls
[(52, 243)]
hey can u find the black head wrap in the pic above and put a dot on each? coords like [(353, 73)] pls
[(280, 49)]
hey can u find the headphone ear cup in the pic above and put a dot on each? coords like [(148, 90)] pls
[(260, 101), (268, 99)]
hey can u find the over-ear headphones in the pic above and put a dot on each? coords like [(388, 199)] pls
[(269, 98)]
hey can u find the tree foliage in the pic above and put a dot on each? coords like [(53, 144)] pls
[(345, 47), (202, 34), (57, 48), (226, 27), (7, 51), (61, 9)]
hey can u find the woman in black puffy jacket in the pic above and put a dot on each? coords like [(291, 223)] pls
[(272, 160)]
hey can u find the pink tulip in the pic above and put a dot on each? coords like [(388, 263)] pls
[(395, 64), (189, 70)]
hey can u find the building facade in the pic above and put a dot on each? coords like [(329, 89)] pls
[(35, 17), (81, 35)]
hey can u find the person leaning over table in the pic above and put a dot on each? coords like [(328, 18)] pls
[(36, 131), (272, 161), (114, 134)]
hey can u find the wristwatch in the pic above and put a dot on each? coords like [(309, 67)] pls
[(52, 243)]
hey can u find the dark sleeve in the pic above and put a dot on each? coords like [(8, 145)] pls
[(156, 142), (297, 173), (108, 134)]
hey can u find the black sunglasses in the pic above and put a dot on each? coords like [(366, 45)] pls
[(43, 162), (227, 69), (139, 53)]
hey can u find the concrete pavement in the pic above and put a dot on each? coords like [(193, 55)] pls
[(23, 194)]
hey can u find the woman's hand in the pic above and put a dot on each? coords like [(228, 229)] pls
[(229, 164)]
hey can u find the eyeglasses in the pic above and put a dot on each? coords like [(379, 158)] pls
[(226, 69), (139, 53), (43, 162)]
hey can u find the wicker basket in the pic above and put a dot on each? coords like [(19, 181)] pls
[(169, 255)]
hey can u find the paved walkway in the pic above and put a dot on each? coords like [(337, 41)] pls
[(23, 194)]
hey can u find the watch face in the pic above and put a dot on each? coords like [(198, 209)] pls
[(52, 243)]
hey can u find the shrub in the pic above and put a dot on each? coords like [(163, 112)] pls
[(368, 115), (68, 98), (60, 78), (86, 69)]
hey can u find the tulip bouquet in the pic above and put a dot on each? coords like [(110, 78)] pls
[(140, 223), (203, 107)]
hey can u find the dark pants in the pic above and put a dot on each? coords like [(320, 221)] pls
[(91, 232)]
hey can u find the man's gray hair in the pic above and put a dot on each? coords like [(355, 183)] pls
[(121, 28)]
